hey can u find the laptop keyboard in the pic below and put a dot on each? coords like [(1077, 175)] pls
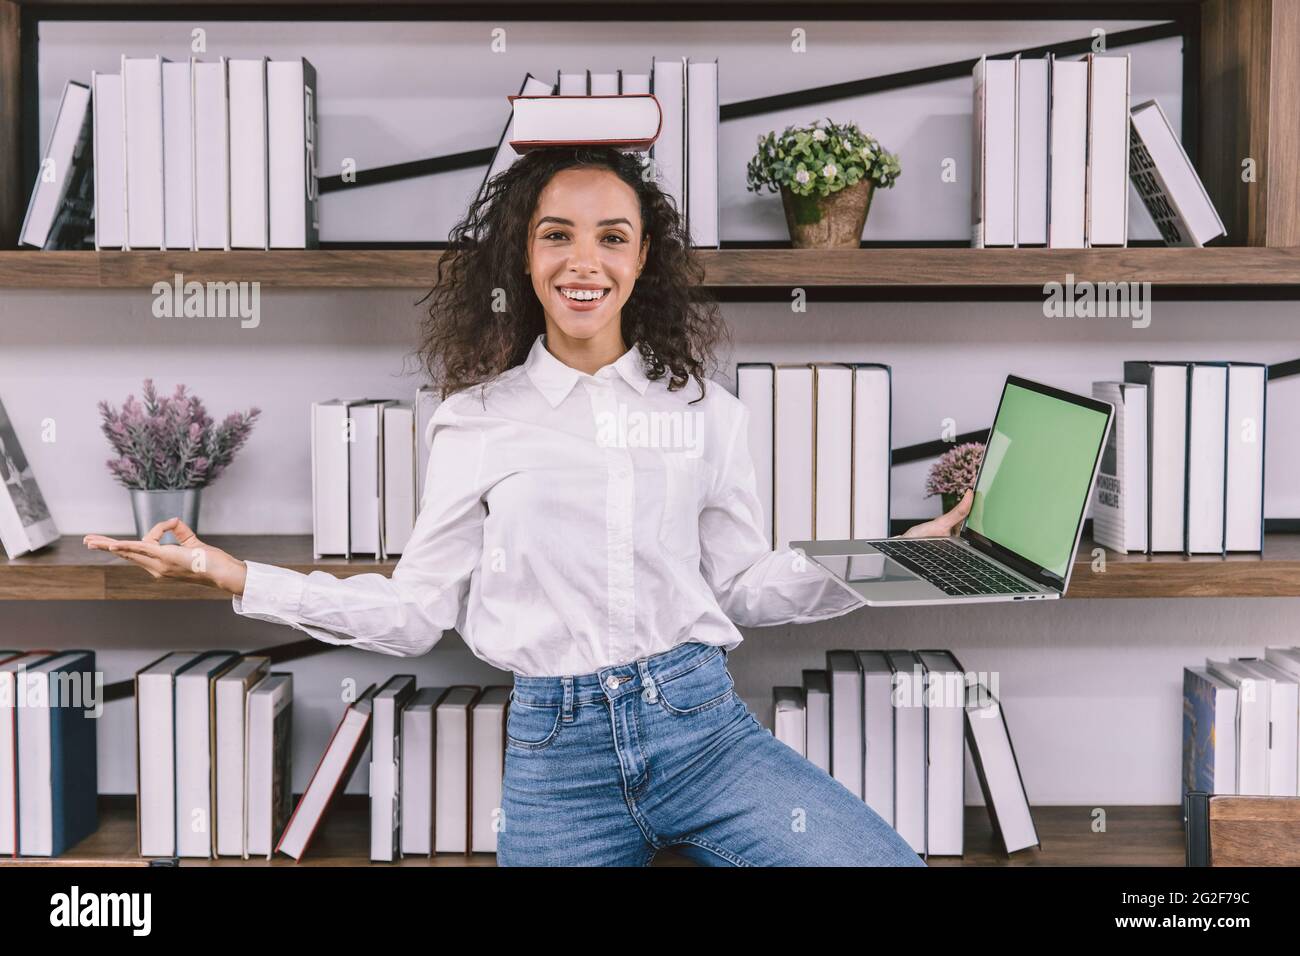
[(950, 568)]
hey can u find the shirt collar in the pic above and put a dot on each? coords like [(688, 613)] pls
[(555, 380)]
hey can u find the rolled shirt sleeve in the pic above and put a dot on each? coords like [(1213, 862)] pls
[(406, 614), (755, 585)]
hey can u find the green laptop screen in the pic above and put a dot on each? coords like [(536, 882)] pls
[(1034, 481)]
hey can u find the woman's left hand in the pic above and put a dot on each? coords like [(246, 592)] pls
[(945, 524)]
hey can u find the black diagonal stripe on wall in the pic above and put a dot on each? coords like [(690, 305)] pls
[(781, 101)]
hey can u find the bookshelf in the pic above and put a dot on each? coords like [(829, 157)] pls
[(68, 571), (1241, 78)]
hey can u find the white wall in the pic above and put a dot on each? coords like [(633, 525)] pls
[(1092, 688)]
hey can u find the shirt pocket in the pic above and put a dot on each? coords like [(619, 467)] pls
[(679, 528)]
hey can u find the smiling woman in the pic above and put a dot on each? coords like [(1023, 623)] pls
[(609, 572)]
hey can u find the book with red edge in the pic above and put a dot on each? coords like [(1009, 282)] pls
[(335, 767), (596, 105)]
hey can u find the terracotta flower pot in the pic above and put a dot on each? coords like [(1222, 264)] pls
[(828, 222)]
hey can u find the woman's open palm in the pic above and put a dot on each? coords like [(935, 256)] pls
[(187, 560)]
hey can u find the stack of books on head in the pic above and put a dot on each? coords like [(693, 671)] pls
[(214, 749), (1240, 719), (819, 435), (1055, 145), (369, 463), (182, 155), (49, 703), (671, 112), (1183, 469), (435, 774), (888, 725)]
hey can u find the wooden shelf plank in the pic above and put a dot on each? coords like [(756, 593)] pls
[(1226, 266), (1134, 836), (68, 571)]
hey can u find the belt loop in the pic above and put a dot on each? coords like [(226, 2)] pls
[(566, 711)]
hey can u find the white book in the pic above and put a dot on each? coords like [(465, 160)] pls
[(789, 719), (195, 754), (908, 699), (1033, 96), (702, 163), (156, 752), (1166, 384), (331, 443), (294, 199), (1167, 181), (1206, 456), (817, 704), (1284, 707), (833, 466), (997, 770), (668, 79), (426, 403), (1108, 150), (110, 160), (210, 113), (635, 83), (399, 496), (1119, 516), (945, 788), (385, 769), (872, 450), (506, 156), (878, 733), (268, 775), (31, 527), (331, 775), (232, 700), (178, 154), (365, 477), (417, 772), (451, 771), (63, 151), (142, 110), (12, 685), (755, 387), (847, 744), (573, 84), (249, 208), (489, 741), (793, 452), (604, 84), (993, 157), (1068, 166), (1247, 411), (1253, 713)]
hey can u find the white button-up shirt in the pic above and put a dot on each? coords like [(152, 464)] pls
[(570, 522)]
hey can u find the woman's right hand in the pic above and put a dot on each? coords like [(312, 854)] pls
[(187, 560)]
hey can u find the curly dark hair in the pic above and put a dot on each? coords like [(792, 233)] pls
[(669, 316)]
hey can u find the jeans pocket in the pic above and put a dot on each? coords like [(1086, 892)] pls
[(701, 688), (679, 528), (531, 726)]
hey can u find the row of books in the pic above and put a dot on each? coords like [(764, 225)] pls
[(1240, 725), (182, 155), (48, 767), (215, 762), (888, 725), (437, 761), (820, 437), (369, 458), (616, 109), (1183, 469), (1055, 145)]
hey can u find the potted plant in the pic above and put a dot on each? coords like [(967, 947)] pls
[(826, 176), (168, 450), (954, 472)]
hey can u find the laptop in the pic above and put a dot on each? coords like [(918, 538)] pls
[(1019, 540)]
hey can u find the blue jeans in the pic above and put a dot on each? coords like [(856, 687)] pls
[(604, 769)]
